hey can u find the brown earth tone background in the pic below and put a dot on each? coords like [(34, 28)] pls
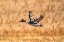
[(12, 11)]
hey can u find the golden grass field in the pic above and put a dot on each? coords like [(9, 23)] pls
[(12, 11)]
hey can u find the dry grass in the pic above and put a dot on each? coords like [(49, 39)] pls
[(33, 39), (12, 11)]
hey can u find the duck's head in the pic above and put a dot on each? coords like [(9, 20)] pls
[(22, 20)]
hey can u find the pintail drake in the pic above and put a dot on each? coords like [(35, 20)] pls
[(33, 21)]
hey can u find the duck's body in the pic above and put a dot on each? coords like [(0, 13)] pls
[(33, 21), (34, 24)]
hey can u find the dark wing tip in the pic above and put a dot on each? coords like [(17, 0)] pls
[(30, 11), (41, 16)]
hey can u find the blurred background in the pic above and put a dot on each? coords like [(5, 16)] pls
[(12, 11)]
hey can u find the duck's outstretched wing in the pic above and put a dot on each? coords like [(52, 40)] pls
[(31, 16), (39, 19)]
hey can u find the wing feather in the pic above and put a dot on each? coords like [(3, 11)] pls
[(39, 19), (31, 16)]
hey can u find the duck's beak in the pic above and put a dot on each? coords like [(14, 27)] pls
[(20, 21)]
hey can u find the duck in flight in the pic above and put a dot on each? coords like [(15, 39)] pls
[(33, 21)]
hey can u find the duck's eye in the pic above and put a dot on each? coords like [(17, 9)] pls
[(23, 20)]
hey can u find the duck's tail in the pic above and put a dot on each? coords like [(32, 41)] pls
[(41, 25)]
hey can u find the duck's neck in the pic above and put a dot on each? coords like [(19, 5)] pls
[(26, 21)]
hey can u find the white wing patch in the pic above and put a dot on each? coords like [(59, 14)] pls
[(31, 16)]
